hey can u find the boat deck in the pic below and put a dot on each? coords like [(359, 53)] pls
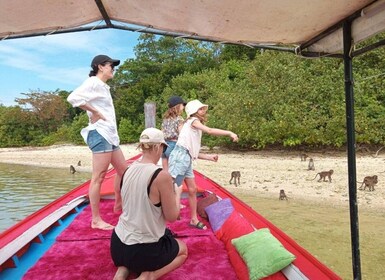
[(81, 252)]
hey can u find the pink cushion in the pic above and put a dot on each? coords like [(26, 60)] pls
[(237, 262), (234, 227)]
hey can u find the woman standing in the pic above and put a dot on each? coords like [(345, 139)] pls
[(101, 134)]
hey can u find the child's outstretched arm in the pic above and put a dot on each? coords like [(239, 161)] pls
[(211, 157), (215, 131)]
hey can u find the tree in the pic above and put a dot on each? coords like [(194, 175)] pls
[(158, 60), (46, 109), (238, 52), (16, 127)]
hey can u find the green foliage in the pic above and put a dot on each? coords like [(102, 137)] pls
[(158, 60), (17, 128), (79, 122), (274, 99), (267, 98), (129, 133), (238, 52)]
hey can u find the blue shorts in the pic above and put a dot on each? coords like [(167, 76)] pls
[(98, 144), (171, 146), (180, 165)]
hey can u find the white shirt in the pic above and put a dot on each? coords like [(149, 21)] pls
[(97, 94), (190, 138)]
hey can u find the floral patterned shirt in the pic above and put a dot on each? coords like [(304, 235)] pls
[(170, 127)]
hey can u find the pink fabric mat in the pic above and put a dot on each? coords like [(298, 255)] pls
[(83, 253), (80, 229)]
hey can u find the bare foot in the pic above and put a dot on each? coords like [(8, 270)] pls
[(122, 273), (101, 225)]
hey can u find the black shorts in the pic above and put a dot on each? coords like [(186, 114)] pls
[(145, 256)]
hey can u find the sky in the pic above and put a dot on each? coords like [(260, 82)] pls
[(62, 61)]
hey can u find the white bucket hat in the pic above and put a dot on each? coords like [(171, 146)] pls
[(193, 106), (152, 135)]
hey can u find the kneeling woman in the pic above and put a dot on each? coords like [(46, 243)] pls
[(140, 242)]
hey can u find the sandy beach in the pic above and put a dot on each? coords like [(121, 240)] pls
[(263, 173)]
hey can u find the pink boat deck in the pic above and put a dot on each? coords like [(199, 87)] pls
[(81, 252)]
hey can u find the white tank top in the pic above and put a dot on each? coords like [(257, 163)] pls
[(140, 221), (190, 138)]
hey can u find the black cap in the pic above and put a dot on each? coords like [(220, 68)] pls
[(100, 59), (175, 100)]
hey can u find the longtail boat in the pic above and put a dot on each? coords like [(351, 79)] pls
[(57, 241), (316, 29)]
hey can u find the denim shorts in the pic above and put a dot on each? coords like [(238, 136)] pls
[(180, 164), (98, 144), (171, 146)]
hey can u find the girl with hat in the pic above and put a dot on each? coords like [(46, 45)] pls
[(171, 125), (187, 150)]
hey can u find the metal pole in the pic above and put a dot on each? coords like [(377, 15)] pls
[(149, 114), (349, 96)]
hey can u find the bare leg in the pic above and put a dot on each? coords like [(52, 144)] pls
[(100, 163), (192, 198), (120, 165), (122, 273), (177, 262), (178, 194)]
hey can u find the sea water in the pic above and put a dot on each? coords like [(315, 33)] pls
[(25, 189)]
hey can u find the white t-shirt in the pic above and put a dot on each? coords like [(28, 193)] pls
[(97, 93), (190, 138)]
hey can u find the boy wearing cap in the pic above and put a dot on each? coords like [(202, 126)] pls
[(171, 125), (140, 242), (187, 150), (101, 134)]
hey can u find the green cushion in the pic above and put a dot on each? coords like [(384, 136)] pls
[(263, 253)]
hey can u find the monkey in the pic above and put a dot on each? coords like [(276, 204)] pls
[(79, 163), (311, 164), (323, 175), (72, 169), (303, 157), (236, 175), (370, 182), (282, 195)]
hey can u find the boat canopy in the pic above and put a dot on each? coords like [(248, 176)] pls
[(306, 27)]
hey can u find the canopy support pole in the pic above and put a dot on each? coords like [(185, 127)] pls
[(349, 97)]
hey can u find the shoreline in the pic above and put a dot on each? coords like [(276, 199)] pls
[(263, 173)]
